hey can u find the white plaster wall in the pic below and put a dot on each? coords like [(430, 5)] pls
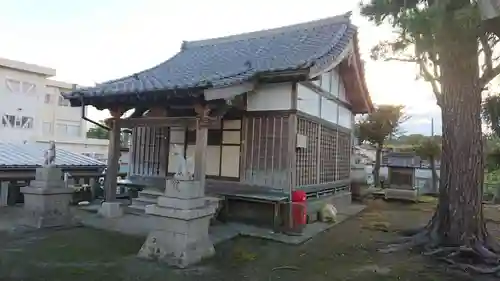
[(331, 82), (345, 117), (312, 103), (270, 97), (308, 101), (228, 152)]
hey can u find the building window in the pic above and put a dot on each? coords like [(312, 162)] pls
[(19, 87), (68, 130), (28, 88), (63, 102), (47, 99), (73, 130), (62, 129), (20, 122), (47, 128), (13, 86)]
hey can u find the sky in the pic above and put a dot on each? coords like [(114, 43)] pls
[(91, 41)]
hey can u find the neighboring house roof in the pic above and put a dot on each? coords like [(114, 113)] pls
[(31, 155), (231, 60), (401, 159)]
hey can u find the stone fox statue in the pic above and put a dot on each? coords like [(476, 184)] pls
[(184, 169), (50, 154)]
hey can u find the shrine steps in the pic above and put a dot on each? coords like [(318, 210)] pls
[(146, 197)]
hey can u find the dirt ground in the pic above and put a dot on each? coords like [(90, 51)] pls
[(346, 252)]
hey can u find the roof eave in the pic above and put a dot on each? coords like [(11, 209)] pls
[(360, 75), (79, 98)]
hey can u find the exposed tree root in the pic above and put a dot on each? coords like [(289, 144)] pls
[(481, 256)]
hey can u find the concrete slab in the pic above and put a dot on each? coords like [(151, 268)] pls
[(140, 225), (309, 232)]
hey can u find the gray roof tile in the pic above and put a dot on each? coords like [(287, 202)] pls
[(238, 58), (32, 155)]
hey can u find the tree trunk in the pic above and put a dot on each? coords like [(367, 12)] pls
[(459, 217), (434, 176), (376, 169)]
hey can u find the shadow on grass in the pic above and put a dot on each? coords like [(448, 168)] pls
[(346, 252)]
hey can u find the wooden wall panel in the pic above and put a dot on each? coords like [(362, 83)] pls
[(266, 153)]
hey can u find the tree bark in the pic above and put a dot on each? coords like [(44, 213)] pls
[(434, 175), (376, 169), (459, 217)]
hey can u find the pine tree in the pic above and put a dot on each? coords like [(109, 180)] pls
[(447, 39)]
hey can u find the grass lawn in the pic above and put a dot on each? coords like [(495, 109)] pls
[(346, 252)]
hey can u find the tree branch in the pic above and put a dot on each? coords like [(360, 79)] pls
[(409, 59), (425, 72), (488, 53), (488, 76), (428, 76), (490, 72)]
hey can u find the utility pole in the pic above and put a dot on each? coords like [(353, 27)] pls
[(432, 127)]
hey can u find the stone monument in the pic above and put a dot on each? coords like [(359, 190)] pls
[(46, 200), (180, 236)]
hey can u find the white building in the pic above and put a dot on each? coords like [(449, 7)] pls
[(32, 109)]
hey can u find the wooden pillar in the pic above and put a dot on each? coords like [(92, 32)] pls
[(4, 193), (292, 143), (164, 150), (200, 154), (110, 183), (292, 152)]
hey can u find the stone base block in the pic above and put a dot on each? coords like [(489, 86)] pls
[(181, 243), (111, 210), (47, 207), (48, 174), (47, 184), (401, 194), (181, 214), (178, 203), (184, 189)]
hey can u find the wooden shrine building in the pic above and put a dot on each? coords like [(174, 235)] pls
[(262, 113)]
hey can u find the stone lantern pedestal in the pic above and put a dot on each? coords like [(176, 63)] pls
[(180, 236), (46, 200)]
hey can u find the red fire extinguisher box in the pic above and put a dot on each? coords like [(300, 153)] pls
[(298, 211)]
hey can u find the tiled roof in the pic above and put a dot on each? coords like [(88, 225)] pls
[(238, 58), (31, 155)]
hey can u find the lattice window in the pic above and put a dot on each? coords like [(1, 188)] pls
[(148, 150), (328, 155), (344, 155), (307, 158)]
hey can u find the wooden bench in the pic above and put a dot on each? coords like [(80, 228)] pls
[(129, 188), (274, 199)]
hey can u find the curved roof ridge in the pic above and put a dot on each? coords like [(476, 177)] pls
[(344, 18)]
